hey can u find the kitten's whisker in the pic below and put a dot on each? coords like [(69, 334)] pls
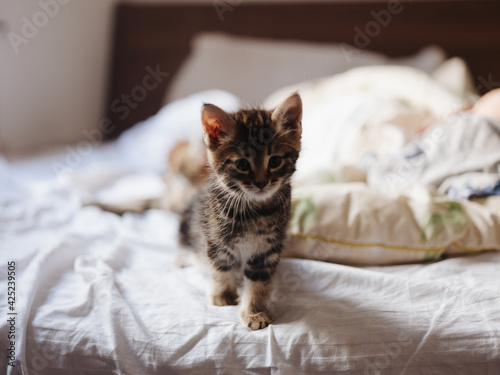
[(228, 202)]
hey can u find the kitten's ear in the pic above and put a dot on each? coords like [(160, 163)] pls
[(217, 125), (288, 115)]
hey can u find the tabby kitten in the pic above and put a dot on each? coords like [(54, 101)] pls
[(239, 220)]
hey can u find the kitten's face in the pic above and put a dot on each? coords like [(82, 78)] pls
[(254, 151)]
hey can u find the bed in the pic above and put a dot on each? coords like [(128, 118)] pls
[(100, 293)]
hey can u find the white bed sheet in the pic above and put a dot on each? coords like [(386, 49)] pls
[(99, 294)]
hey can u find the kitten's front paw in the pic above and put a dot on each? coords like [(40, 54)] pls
[(256, 321), (225, 299)]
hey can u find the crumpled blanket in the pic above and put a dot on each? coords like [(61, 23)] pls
[(459, 156)]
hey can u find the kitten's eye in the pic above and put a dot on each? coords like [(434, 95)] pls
[(243, 165), (274, 161)]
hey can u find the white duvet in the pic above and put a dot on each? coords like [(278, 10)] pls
[(99, 294)]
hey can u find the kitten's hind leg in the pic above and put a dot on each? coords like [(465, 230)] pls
[(224, 288), (185, 258)]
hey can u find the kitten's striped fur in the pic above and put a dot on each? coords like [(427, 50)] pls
[(239, 220)]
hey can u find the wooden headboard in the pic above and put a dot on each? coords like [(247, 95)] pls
[(159, 35)]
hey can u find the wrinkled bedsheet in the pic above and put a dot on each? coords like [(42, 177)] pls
[(98, 294)]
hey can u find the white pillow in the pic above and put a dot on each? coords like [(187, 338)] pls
[(356, 224), (254, 68)]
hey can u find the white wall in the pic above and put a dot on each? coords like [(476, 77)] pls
[(55, 85)]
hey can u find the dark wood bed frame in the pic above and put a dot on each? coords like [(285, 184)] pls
[(159, 35)]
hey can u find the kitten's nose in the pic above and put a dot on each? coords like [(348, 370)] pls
[(260, 184)]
